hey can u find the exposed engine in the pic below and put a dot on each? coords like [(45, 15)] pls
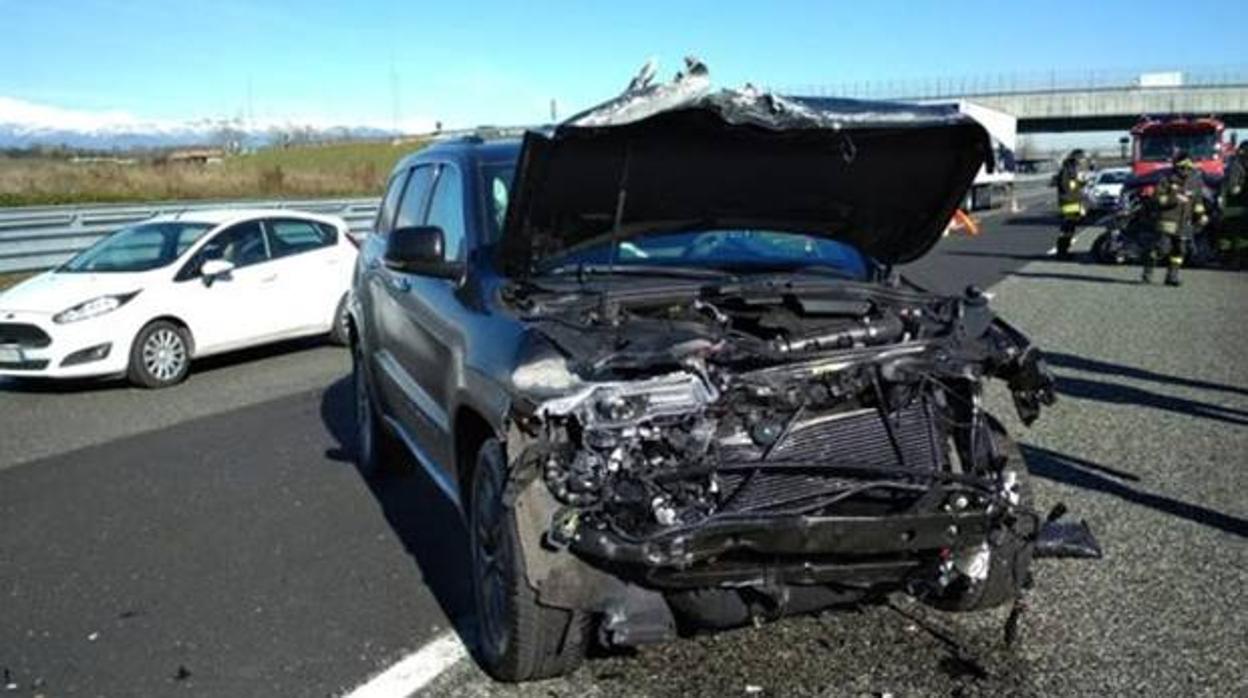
[(673, 414)]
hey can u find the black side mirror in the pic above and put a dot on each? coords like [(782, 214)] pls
[(421, 250)]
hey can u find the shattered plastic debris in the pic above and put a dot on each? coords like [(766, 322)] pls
[(1067, 539)]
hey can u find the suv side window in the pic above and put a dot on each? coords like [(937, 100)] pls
[(390, 204), (447, 211), (241, 245), (289, 236), (415, 195)]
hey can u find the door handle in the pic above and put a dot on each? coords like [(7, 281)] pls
[(268, 279)]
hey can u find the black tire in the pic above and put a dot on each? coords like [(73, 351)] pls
[(160, 355), (1009, 566), (518, 639), (377, 451), (340, 331), (1100, 249)]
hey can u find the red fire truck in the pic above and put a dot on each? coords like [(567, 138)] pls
[(1155, 140)]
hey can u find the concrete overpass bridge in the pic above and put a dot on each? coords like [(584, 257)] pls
[(1093, 102)]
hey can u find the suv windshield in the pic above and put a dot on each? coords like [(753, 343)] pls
[(729, 250), (1163, 146), (138, 248)]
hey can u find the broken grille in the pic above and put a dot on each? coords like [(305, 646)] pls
[(857, 438)]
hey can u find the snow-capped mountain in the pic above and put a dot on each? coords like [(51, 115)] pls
[(25, 124)]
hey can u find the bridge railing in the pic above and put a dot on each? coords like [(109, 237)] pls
[(39, 237), (1017, 82)]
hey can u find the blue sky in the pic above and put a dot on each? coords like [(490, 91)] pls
[(468, 62)]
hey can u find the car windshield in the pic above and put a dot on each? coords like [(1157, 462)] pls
[(1112, 178), (138, 248), (740, 251), (1161, 147)]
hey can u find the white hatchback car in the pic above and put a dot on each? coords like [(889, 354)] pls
[(147, 299)]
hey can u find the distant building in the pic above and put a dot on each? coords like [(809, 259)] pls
[(196, 156)]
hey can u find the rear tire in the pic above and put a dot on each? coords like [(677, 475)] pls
[(340, 331), (1009, 567), (160, 355), (377, 451), (519, 639)]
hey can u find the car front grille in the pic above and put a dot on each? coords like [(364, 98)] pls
[(23, 335), (858, 439)]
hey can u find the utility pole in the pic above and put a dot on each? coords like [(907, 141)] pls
[(554, 111)]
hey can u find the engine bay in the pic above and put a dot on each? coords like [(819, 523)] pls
[(675, 412)]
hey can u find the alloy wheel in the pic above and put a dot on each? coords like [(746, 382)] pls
[(490, 557), (164, 354)]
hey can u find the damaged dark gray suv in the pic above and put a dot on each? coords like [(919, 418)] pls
[(659, 357)]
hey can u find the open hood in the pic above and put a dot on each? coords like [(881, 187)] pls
[(884, 177)]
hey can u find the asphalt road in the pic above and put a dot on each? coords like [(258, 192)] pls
[(215, 539)]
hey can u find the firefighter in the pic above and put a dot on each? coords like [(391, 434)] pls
[(1233, 200), (1175, 205), (1069, 200)]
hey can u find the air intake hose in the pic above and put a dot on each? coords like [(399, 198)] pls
[(871, 332)]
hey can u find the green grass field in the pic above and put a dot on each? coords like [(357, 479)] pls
[(339, 169)]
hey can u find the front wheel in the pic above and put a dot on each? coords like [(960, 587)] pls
[(1108, 250), (1010, 547), (160, 356), (519, 639)]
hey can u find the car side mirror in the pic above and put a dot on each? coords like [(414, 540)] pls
[(420, 249), (215, 269)]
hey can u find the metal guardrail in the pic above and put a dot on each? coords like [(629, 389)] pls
[(38, 237)]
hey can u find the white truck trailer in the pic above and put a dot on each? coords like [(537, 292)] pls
[(996, 188)]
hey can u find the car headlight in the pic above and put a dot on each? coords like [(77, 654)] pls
[(92, 308)]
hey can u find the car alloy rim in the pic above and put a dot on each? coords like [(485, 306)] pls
[(164, 354), (490, 556)]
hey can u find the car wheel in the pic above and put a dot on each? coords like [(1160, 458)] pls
[(160, 356), (518, 638), (339, 332), (377, 451), (1101, 249), (1009, 564)]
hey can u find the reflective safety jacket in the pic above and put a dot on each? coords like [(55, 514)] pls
[(1233, 194), (1173, 202), (1069, 190)]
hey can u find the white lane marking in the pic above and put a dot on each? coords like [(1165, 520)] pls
[(415, 671)]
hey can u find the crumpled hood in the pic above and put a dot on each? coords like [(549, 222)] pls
[(884, 177), (52, 292)]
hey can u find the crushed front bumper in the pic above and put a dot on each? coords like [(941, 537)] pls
[(791, 549)]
